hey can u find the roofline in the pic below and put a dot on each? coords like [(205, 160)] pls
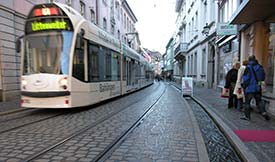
[(126, 5)]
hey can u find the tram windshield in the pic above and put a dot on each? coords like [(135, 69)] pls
[(47, 52)]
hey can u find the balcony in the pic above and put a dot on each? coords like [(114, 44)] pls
[(180, 51)]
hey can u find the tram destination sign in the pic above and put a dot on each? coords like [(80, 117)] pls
[(36, 26), (48, 24), (47, 17)]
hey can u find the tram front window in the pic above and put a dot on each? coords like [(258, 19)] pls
[(47, 52)]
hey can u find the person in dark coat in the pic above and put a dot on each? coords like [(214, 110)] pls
[(253, 75), (230, 83)]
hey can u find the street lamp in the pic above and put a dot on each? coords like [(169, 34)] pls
[(206, 29), (133, 35)]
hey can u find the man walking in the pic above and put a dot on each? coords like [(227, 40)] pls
[(253, 75)]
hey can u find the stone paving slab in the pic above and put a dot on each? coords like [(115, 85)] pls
[(169, 133)]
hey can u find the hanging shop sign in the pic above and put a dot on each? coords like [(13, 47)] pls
[(226, 29)]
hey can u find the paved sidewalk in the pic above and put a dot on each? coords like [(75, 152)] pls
[(263, 150)]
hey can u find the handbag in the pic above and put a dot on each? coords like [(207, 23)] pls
[(225, 93), (261, 84), (240, 93)]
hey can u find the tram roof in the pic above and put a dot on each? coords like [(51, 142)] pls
[(74, 15)]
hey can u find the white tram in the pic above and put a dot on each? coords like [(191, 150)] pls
[(69, 62)]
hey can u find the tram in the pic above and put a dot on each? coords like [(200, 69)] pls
[(68, 62)]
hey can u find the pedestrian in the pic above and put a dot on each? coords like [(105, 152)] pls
[(253, 75), (238, 90), (230, 82), (170, 77), (158, 77)]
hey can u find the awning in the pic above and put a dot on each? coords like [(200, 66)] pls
[(254, 10), (224, 40)]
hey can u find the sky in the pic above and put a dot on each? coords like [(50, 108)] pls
[(156, 22)]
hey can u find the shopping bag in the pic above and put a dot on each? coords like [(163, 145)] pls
[(225, 93), (263, 86), (240, 93)]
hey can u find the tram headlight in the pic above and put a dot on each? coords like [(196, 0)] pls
[(24, 82), (63, 83)]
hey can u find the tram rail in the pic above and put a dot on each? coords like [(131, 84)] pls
[(70, 134), (20, 125), (103, 155), (28, 118), (5, 113)]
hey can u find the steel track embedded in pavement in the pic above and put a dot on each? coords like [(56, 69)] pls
[(33, 122), (111, 147), (90, 126)]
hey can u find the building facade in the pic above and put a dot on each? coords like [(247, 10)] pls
[(114, 16), (206, 47), (195, 41), (169, 60), (156, 57), (227, 40), (256, 21)]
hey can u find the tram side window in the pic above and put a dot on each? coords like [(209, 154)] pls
[(93, 63), (136, 73), (115, 66), (124, 68), (147, 72), (142, 72), (78, 62), (108, 64)]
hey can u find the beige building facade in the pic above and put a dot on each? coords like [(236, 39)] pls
[(256, 20)]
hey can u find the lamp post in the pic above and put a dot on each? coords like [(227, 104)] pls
[(206, 29), (130, 39)]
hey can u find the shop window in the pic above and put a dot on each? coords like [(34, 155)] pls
[(271, 57)]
